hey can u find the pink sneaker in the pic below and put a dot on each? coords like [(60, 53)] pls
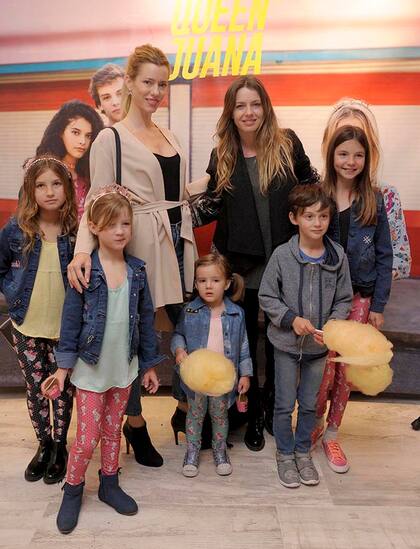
[(336, 457), (316, 435)]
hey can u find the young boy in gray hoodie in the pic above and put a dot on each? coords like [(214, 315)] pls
[(305, 284)]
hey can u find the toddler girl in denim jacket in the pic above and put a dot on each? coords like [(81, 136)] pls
[(214, 322)]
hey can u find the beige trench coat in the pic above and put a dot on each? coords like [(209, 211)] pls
[(152, 239)]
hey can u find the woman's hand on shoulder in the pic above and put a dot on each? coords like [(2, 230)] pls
[(151, 381), (78, 271)]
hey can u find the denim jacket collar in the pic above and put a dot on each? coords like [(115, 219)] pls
[(198, 303), (136, 265)]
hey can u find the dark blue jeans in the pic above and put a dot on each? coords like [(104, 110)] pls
[(295, 379)]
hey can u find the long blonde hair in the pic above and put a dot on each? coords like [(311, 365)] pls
[(348, 107), (28, 211), (274, 147), (142, 54)]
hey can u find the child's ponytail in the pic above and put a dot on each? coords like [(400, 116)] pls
[(237, 287)]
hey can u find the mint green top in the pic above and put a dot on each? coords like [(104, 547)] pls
[(112, 369)]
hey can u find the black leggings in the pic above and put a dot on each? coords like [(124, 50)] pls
[(37, 362)]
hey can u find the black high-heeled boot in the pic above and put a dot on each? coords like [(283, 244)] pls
[(39, 463), (178, 421), (56, 469), (144, 451), (416, 424)]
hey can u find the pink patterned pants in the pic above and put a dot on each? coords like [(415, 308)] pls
[(334, 380), (99, 418)]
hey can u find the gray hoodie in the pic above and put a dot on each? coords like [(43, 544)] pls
[(291, 287)]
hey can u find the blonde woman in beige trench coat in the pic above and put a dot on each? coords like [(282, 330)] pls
[(153, 171)]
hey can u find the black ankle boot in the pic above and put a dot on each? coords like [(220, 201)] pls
[(144, 451), (254, 435), (56, 469), (39, 463), (178, 421)]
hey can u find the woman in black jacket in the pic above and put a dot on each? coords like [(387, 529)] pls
[(252, 170)]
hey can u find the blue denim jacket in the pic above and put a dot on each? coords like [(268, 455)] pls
[(369, 252), (84, 317), (18, 272), (192, 332)]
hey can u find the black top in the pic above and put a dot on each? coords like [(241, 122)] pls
[(238, 233), (344, 224), (170, 172)]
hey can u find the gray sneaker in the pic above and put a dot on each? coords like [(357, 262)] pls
[(286, 468), (307, 471), (190, 465), (221, 459)]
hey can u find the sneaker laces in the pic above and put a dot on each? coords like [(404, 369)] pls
[(335, 449)]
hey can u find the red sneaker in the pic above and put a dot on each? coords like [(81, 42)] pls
[(336, 457)]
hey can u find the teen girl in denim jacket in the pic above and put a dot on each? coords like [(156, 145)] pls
[(107, 332), (212, 321), (361, 227), (35, 249)]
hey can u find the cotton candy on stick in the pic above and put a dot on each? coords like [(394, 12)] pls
[(208, 372), (365, 351)]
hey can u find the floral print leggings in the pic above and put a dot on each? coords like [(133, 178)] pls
[(99, 418), (37, 362), (218, 411), (334, 379)]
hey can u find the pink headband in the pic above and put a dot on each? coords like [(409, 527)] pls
[(111, 189)]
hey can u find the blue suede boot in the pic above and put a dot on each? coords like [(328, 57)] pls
[(110, 492), (70, 507)]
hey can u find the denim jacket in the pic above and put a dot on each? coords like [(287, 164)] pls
[(192, 332), (84, 318), (18, 272), (369, 252)]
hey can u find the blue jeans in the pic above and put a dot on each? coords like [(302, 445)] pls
[(295, 379)]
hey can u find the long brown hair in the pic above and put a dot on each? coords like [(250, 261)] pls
[(237, 284), (28, 210), (274, 148), (364, 189), (142, 54)]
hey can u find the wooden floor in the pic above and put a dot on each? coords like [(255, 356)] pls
[(375, 505)]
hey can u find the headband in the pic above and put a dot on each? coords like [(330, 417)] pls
[(32, 163), (111, 189)]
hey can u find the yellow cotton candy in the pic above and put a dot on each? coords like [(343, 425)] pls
[(370, 380), (357, 343), (208, 372)]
